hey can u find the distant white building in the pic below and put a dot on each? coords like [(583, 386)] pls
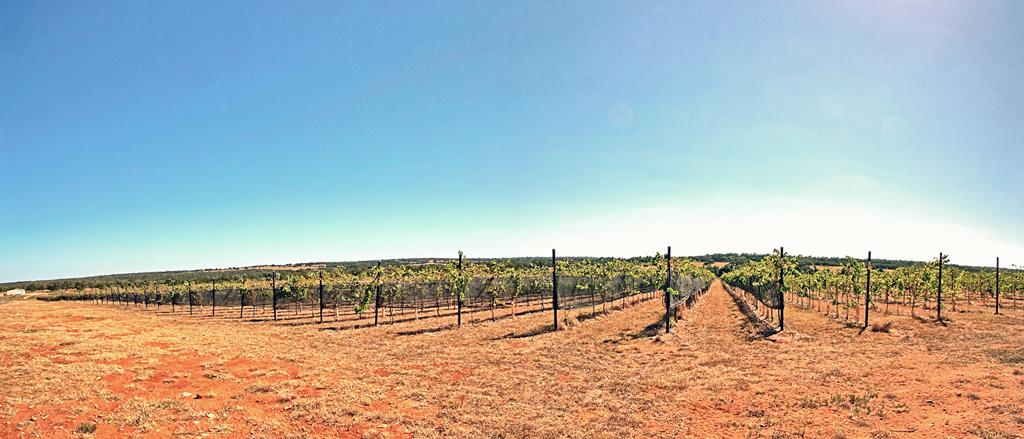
[(15, 292)]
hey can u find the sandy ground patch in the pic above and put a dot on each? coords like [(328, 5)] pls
[(133, 373)]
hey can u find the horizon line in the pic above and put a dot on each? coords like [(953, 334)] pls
[(313, 263)]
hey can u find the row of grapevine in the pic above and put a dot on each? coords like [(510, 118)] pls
[(923, 288), (854, 290), (395, 293)]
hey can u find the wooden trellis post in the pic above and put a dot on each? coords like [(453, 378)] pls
[(782, 289), (321, 296), (273, 293), (997, 285), (376, 300), (668, 285), (554, 287), (867, 292), (213, 297), (463, 285), (938, 307)]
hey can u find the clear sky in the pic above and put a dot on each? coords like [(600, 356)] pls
[(157, 135)]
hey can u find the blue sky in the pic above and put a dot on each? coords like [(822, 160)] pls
[(170, 135)]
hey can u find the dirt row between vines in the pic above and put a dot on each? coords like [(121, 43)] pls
[(134, 374)]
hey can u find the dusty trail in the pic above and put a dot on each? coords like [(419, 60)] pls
[(711, 352), (716, 318)]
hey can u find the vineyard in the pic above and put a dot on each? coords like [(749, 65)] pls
[(386, 294), (773, 346), (462, 291), (855, 287)]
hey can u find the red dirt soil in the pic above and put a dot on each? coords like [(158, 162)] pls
[(135, 374)]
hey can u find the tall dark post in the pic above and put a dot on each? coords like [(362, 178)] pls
[(321, 296), (938, 307), (782, 289), (241, 301), (273, 293), (376, 300), (459, 294), (668, 284), (190, 298), (997, 285), (867, 292), (554, 287), (213, 297)]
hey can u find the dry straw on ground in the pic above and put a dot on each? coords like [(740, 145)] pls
[(73, 369)]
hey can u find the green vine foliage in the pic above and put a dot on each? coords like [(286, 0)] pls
[(458, 280), (366, 295), (847, 284)]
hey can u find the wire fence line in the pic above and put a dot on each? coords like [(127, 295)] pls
[(684, 290)]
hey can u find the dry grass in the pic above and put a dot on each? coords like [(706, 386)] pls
[(73, 367)]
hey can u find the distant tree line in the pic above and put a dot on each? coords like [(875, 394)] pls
[(805, 264), (265, 271)]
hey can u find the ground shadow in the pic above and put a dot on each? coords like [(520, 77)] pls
[(649, 331), (345, 328), (761, 329), (943, 322), (428, 330), (543, 329)]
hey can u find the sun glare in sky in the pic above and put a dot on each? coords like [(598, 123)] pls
[(140, 137)]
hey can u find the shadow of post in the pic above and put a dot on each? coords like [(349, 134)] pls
[(761, 328)]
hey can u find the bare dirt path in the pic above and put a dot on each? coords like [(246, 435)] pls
[(715, 318)]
